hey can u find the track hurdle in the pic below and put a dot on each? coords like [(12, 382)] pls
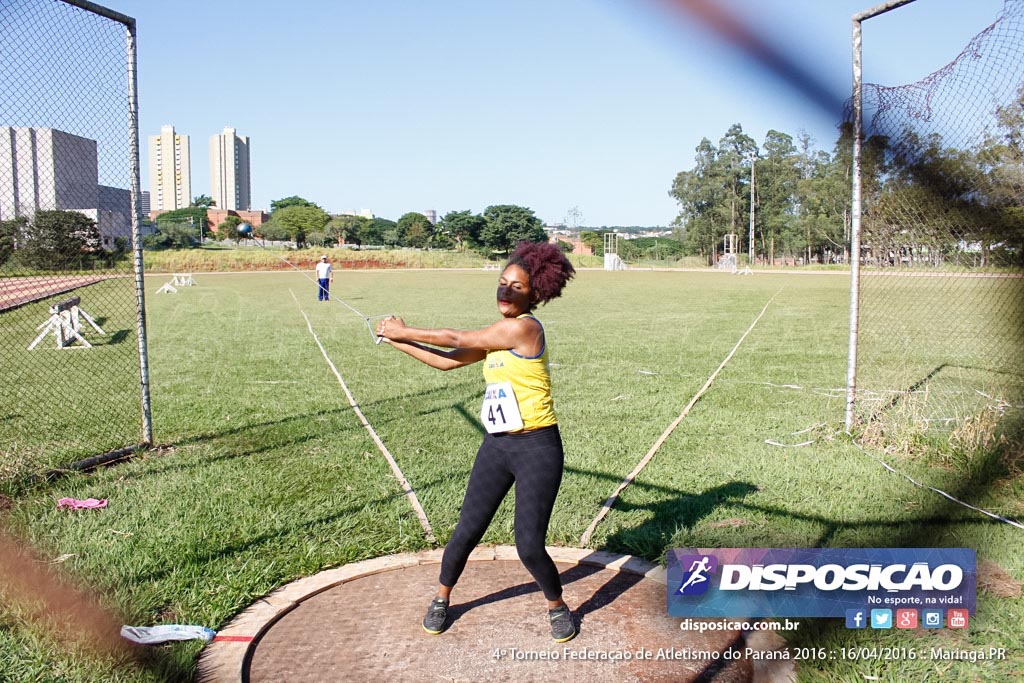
[(65, 322)]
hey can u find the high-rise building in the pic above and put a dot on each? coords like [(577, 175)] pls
[(170, 170), (44, 169), (229, 171), (144, 207)]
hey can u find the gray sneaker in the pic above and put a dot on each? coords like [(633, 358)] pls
[(437, 612), (562, 627)]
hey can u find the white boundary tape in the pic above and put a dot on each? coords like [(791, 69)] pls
[(585, 538), (896, 472), (932, 488), (409, 493)]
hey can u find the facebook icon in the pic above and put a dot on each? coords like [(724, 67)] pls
[(856, 618)]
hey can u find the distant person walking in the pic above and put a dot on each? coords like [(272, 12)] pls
[(324, 277)]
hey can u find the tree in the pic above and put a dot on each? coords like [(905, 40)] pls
[(777, 176), (173, 236), (464, 227), (203, 201), (1000, 163), (273, 232), (10, 235), (441, 238), (301, 220), (595, 240), (60, 240), (277, 204), (415, 230), (193, 215), (372, 231), (229, 228), (508, 224), (701, 196), (345, 229), (823, 200), (651, 248), (934, 199), (735, 153), (573, 218)]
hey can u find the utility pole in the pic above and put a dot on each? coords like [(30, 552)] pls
[(192, 221), (750, 243)]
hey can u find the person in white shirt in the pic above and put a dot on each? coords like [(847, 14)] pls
[(324, 277)]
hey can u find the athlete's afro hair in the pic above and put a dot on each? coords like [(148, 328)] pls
[(547, 266)]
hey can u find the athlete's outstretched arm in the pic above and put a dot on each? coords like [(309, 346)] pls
[(523, 335), (442, 359)]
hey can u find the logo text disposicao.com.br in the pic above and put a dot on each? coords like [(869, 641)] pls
[(701, 625)]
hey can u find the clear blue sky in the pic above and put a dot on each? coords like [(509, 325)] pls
[(403, 105)]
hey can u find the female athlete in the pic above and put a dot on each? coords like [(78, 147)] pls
[(522, 446)]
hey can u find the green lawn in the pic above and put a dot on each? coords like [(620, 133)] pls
[(37, 386), (267, 475)]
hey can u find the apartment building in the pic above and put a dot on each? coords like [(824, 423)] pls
[(229, 171), (170, 170)]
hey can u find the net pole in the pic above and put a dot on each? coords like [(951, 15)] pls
[(856, 198), (878, 9), (140, 294), (855, 219)]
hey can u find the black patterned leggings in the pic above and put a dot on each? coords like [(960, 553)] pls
[(533, 462)]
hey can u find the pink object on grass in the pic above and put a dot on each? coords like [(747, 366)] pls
[(76, 504)]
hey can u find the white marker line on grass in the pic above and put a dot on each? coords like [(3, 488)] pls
[(932, 488), (585, 538), (409, 493)]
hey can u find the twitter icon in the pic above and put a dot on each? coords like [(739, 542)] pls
[(881, 618)]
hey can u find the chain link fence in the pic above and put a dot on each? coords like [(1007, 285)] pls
[(938, 344), (72, 335)]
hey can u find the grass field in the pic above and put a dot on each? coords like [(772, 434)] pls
[(267, 475), (37, 386)]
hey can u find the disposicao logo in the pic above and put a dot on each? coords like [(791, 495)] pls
[(818, 582)]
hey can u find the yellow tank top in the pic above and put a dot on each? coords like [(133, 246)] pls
[(530, 380)]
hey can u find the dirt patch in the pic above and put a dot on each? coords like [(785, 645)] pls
[(996, 581)]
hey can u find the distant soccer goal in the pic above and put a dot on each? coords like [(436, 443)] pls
[(727, 261), (612, 261)]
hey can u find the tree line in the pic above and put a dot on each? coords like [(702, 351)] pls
[(498, 229), (801, 197), (923, 201)]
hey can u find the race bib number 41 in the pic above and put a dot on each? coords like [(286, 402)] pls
[(500, 411)]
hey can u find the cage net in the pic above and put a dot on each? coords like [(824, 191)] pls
[(942, 279), (69, 353)]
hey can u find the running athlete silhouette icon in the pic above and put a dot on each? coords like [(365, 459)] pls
[(697, 571)]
